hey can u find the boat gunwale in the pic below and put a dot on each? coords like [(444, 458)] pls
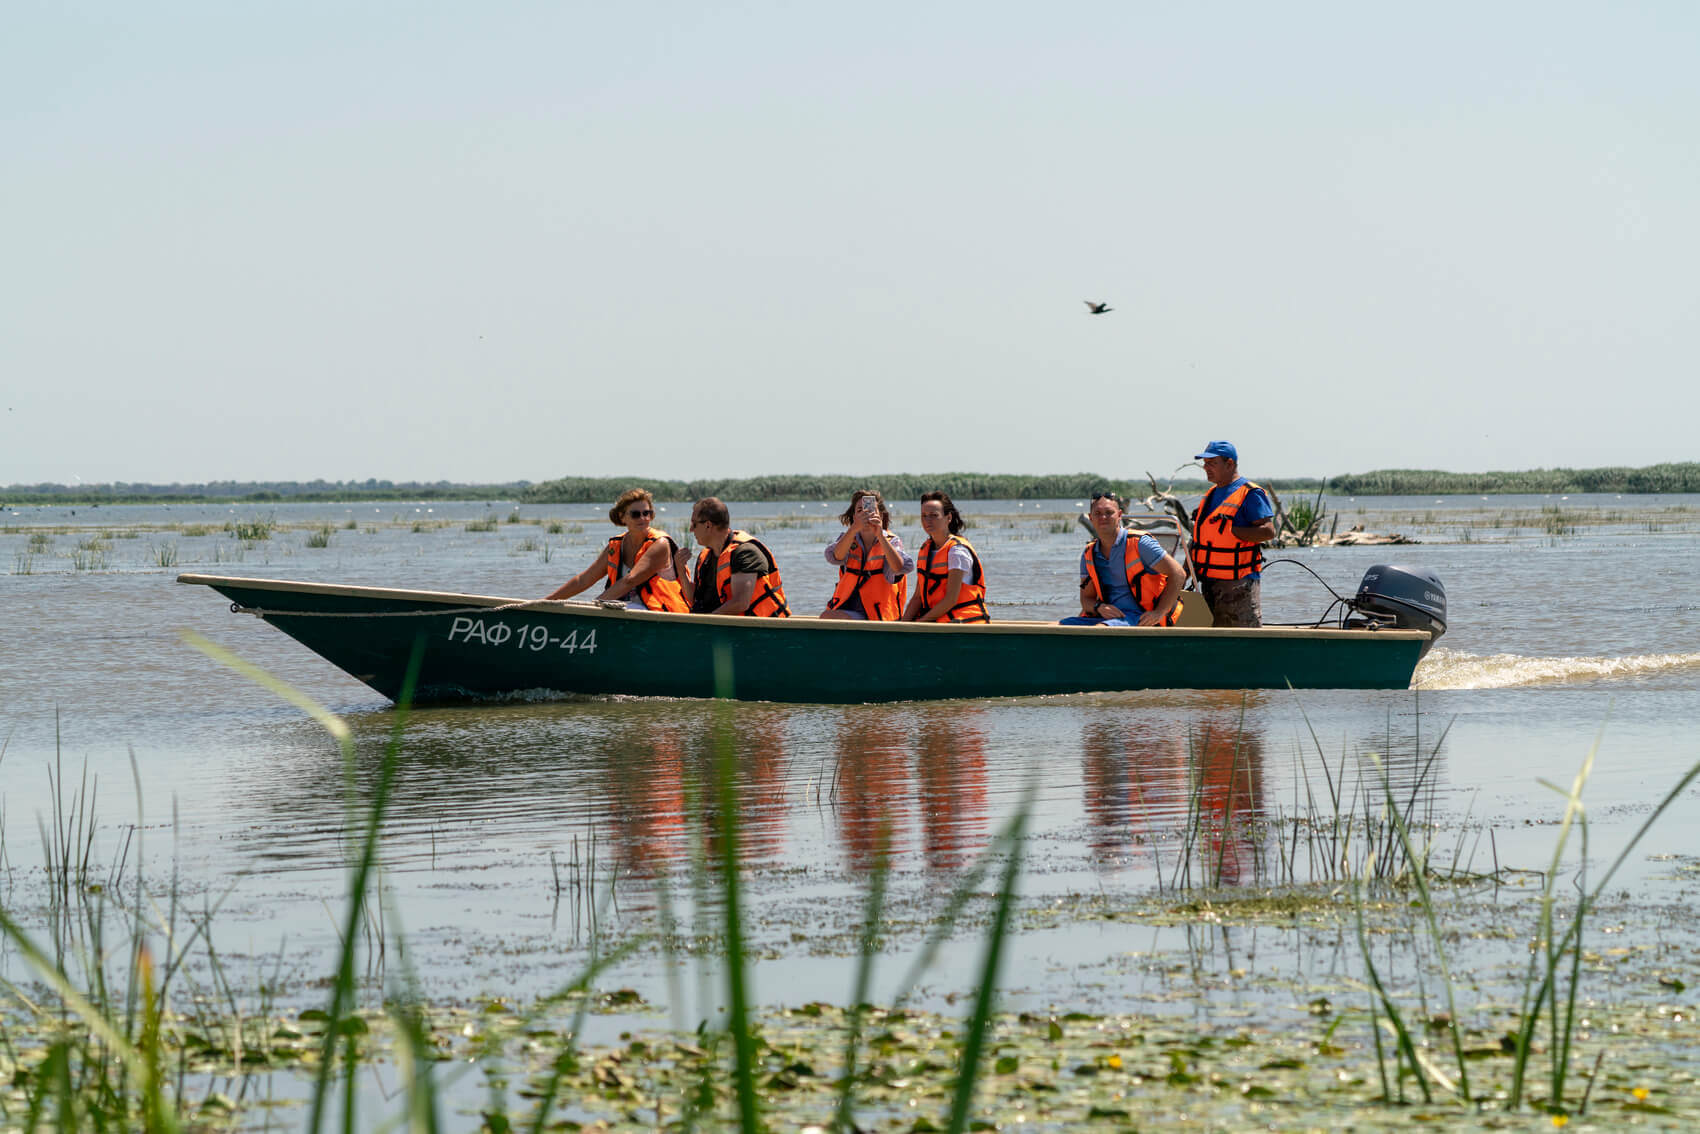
[(804, 623)]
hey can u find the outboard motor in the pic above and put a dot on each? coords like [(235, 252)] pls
[(1411, 598)]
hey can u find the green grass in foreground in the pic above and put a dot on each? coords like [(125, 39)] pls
[(97, 1047)]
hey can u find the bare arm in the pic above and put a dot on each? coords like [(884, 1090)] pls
[(741, 590), (682, 568), (1255, 533), (840, 550), (897, 564), (1174, 577), (582, 581), (913, 606), (952, 589)]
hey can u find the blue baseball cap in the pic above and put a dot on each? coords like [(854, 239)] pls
[(1219, 449)]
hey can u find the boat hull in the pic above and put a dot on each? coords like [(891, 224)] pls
[(479, 646)]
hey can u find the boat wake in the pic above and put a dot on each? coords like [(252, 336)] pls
[(1454, 669)]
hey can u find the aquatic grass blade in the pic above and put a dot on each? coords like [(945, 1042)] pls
[(737, 988), (342, 989), (869, 943), (1418, 874), (968, 1070)]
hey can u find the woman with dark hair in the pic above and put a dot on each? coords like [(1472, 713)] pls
[(950, 586), (636, 567), (872, 566)]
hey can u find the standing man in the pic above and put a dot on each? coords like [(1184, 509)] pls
[(735, 573), (1234, 517)]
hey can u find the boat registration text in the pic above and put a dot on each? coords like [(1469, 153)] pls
[(523, 636)]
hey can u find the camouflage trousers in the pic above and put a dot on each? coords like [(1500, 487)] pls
[(1234, 602)]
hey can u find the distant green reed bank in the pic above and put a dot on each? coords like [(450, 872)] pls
[(1665, 478)]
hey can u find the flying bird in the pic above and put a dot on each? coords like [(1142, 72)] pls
[(1096, 308)]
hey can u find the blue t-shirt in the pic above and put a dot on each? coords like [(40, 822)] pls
[(1254, 509), (1117, 592)]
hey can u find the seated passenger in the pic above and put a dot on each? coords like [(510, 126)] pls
[(1125, 581), (872, 566), (638, 567), (949, 584), (735, 572)]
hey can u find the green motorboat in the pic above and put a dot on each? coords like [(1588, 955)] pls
[(481, 646)]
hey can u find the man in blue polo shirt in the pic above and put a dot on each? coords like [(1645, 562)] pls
[(1234, 517), (1123, 584)]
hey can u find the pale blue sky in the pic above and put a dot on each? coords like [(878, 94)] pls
[(506, 241)]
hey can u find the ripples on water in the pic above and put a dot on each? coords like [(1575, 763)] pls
[(1534, 664)]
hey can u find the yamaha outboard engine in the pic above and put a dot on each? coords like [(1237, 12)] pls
[(1411, 598)]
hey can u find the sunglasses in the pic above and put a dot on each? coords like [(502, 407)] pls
[(639, 513)]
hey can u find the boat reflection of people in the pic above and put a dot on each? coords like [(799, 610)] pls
[(949, 584), (1234, 517), (950, 770), (653, 777), (872, 566), (1134, 779), (639, 567), (1125, 580), (735, 572), (871, 783), (1142, 780)]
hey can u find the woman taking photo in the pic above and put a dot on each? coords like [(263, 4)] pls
[(638, 567), (872, 566), (950, 586)]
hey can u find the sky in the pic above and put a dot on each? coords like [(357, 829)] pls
[(517, 241)]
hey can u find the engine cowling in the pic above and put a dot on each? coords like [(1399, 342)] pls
[(1413, 598)]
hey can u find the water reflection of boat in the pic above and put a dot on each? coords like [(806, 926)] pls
[(480, 646), (1198, 789)]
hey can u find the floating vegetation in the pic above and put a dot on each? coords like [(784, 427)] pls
[(514, 517), (89, 558), (253, 530), (195, 531), (320, 536), (40, 541), (163, 554), (23, 563), (528, 544), (107, 1038), (487, 524)]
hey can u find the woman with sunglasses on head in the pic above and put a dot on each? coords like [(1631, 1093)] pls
[(872, 566), (949, 584), (638, 567)]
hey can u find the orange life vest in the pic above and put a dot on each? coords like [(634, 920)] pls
[(863, 573), (1216, 552), (769, 598), (970, 600), (657, 593), (1147, 585)]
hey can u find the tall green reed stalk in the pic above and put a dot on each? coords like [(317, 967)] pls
[(342, 1024), (1540, 989)]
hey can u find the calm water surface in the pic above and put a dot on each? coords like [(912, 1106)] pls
[(1571, 619)]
